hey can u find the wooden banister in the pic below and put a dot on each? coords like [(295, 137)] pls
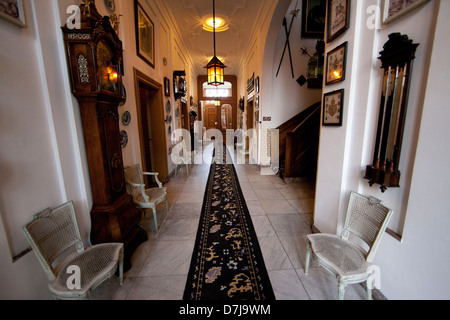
[(299, 140)]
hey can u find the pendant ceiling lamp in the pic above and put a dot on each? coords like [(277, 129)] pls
[(215, 67)]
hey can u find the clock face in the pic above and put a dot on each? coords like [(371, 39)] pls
[(107, 68)]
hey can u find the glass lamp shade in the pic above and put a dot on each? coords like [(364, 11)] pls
[(215, 72)]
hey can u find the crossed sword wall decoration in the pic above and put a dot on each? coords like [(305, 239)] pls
[(288, 34)]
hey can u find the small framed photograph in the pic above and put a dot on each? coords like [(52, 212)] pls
[(313, 18), (333, 108), (257, 84), (394, 9), (166, 87), (338, 18), (12, 10), (336, 64), (145, 35)]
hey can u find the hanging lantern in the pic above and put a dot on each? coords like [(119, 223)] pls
[(215, 72), (215, 67)]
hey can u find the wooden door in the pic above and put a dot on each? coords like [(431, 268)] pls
[(152, 130), (211, 118), (145, 94)]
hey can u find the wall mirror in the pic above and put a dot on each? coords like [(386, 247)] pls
[(397, 60)]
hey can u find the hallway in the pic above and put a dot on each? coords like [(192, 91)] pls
[(281, 214)]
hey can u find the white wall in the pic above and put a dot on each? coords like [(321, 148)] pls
[(43, 161), (415, 267), (281, 97), (288, 97)]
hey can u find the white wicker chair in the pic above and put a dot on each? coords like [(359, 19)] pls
[(142, 197), (349, 256), (55, 238), (182, 155)]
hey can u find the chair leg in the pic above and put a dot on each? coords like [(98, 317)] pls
[(167, 206), (155, 219), (342, 285), (308, 257), (121, 266), (369, 289)]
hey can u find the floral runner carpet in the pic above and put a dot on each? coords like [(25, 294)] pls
[(227, 263)]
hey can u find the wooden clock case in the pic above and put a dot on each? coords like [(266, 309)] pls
[(95, 62)]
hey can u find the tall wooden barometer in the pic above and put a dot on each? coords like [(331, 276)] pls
[(95, 62)]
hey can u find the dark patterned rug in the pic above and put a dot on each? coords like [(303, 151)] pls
[(227, 263)]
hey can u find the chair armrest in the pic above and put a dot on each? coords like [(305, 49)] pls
[(150, 173), (155, 174), (136, 185)]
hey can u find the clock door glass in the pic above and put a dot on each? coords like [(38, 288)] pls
[(107, 68)]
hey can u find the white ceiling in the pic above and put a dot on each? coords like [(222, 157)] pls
[(231, 44)]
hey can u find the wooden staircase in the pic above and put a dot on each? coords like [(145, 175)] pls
[(299, 144)]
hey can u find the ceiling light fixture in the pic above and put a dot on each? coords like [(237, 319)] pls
[(208, 24), (215, 67)]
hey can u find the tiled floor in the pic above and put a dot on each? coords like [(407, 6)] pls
[(281, 214)]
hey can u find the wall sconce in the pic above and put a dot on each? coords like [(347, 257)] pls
[(315, 66)]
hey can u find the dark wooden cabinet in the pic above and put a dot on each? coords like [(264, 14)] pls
[(95, 62)]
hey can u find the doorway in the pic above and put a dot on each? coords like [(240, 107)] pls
[(152, 138), (250, 124), (211, 116)]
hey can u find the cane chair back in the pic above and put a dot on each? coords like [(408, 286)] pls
[(145, 198), (367, 219), (349, 256), (55, 238), (53, 233)]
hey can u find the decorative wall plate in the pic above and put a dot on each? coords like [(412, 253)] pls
[(126, 118), (124, 95), (123, 138), (168, 107), (110, 4), (170, 130)]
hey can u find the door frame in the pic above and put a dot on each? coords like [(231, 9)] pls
[(158, 125)]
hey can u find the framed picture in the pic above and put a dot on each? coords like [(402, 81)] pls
[(12, 10), (313, 18), (338, 18), (257, 84), (394, 9), (145, 35), (333, 108), (166, 87), (336, 64)]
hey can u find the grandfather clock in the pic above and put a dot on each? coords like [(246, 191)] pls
[(95, 62)]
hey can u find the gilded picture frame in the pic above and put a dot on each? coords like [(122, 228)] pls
[(336, 64), (338, 18), (395, 9), (13, 11), (145, 35), (333, 108)]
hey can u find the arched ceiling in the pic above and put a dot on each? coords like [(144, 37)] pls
[(240, 15)]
